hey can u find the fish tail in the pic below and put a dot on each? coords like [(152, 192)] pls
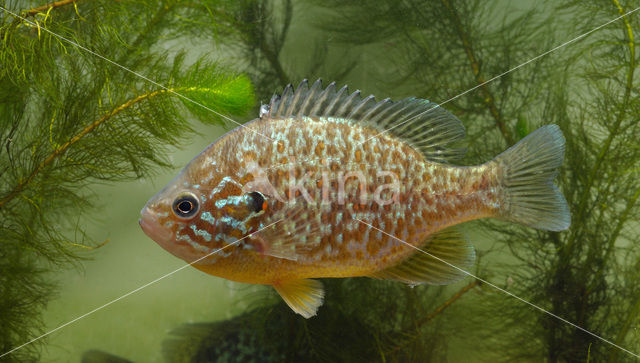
[(529, 167)]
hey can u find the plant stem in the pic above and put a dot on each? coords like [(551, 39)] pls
[(613, 130), (60, 150), (272, 58), (249, 36), (488, 98), (438, 311), (56, 4), (633, 315), (448, 303)]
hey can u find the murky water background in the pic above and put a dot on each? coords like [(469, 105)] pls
[(135, 327)]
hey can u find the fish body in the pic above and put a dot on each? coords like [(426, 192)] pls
[(431, 197), (330, 184)]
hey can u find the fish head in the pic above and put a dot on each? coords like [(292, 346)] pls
[(205, 208)]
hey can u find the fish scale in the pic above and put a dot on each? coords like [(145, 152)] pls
[(430, 214), (336, 170)]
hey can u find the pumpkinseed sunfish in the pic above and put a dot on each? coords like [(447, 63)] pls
[(305, 191)]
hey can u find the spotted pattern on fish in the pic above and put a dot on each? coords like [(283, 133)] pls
[(432, 195), (326, 158)]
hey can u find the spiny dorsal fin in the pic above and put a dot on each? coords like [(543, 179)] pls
[(303, 296), (448, 245), (422, 124)]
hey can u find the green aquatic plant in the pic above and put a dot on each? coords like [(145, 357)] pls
[(344, 331), (254, 30), (70, 119), (271, 41)]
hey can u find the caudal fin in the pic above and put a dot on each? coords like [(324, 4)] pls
[(529, 168)]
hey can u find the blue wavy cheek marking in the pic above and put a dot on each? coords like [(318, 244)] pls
[(201, 232), (207, 217), (234, 223)]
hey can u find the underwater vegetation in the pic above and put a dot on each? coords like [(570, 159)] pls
[(69, 120), (271, 333)]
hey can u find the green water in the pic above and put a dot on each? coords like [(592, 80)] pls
[(135, 326), (485, 60)]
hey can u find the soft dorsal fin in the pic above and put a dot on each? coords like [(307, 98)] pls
[(422, 124), (303, 296), (448, 245)]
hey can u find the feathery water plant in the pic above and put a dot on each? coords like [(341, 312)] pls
[(52, 92), (69, 119)]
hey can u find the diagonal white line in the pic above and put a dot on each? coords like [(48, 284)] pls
[(175, 93), (136, 73), (237, 241), (131, 292), (502, 290), (506, 72)]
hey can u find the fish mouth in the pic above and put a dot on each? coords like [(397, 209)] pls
[(152, 228)]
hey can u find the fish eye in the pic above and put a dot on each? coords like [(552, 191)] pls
[(257, 203), (186, 205)]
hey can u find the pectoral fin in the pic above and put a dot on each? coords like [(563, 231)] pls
[(448, 245), (303, 296), (296, 232)]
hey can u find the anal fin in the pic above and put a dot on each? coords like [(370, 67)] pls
[(303, 296), (428, 268)]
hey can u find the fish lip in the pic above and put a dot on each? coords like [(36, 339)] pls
[(152, 228)]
